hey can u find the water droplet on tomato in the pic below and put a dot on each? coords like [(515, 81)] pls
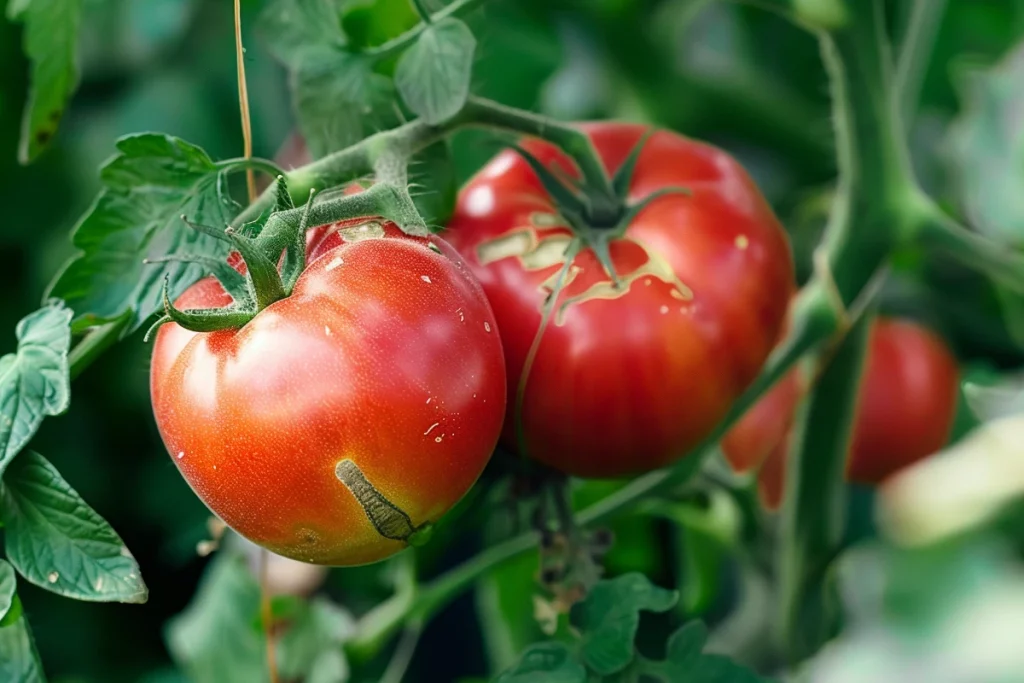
[(664, 309), (487, 326), (181, 454), (425, 278), (52, 577)]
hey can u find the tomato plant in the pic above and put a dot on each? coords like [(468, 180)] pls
[(905, 410), (682, 313), (403, 432)]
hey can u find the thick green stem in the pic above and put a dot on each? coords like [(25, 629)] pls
[(813, 514), (923, 23), (876, 183), (95, 342)]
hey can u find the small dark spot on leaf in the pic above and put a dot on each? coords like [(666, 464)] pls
[(43, 136)]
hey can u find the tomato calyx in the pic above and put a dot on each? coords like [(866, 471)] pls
[(594, 216)]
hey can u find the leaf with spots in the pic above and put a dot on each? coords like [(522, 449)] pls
[(51, 44), (34, 380), (58, 542), (148, 185)]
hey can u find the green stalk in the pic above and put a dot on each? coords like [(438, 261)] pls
[(814, 507)]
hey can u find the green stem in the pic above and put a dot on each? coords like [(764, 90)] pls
[(422, 10), (876, 183), (933, 229), (814, 507), (571, 139), (400, 43), (918, 40), (95, 342), (813, 322)]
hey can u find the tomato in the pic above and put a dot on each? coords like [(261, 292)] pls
[(628, 378), (345, 417), (905, 410)]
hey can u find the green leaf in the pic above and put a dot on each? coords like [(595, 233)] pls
[(58, 542), (685, 661), (213, 640), (34, 380), (311, 648), (339, 99), (291, 27), (550, 662), (8, 584), (433, 75), (610, 615), (987, 139), (51, 44), (433, 183), (149, 184), (19, 660)]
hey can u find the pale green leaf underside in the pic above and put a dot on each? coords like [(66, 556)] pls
[(214, 639), (433, 75), (19, 660), (58, 542), (34, 380)]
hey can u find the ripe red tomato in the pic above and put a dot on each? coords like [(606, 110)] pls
[(345, 417), (905, 411), (627, 379)]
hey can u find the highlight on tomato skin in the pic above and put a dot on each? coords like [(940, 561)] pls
[(905, 411), (346, 418), (628, 379)]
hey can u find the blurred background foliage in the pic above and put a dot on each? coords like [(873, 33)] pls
[(737, 76)]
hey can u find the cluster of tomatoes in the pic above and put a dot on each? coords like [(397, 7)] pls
[(343, 420)]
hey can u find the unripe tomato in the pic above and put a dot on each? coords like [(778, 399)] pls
[(628, 378), (905, 410), (345, 417)]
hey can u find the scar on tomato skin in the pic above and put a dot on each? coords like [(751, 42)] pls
[(388, 519), (536, 252), (364, 231)]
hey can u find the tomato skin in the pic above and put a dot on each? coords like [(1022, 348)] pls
[(386, 354), (905, 410), (907, 401), (626, 381)]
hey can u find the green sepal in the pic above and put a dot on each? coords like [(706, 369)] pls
[(633, 210), (571, 250), (154, 327), (264, 280), (604, 256), (624, 176), (282, 198), (231, 280), (571, 203), (295, 252), (206, 319), (216, 233)]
